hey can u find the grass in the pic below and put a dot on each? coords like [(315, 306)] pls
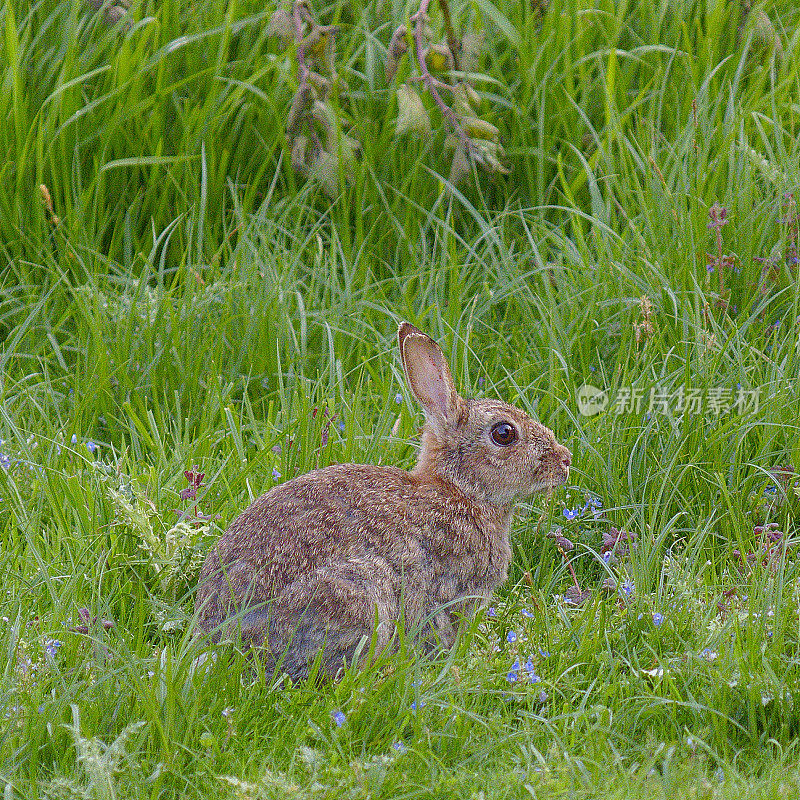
[(197, 303)]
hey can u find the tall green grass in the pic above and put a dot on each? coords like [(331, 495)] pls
[(199, 304)]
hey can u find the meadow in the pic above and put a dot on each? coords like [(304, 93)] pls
[(187, 319)]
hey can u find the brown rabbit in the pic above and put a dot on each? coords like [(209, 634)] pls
[(330, 559)]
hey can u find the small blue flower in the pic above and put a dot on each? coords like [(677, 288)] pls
[(481, 381), (511, 677), (571, 513), (275, 475), (627, 588), (400, 747), (415, 705), (544, 653), (515, 666), (74, 439), (709, 268), (607, 556), (511, 637), (91, 446), (491, 611), (5, 462), (341, 426), (527, 613), (592, 368), (51, 647), (339, 718), (398, 398), (657, 618)]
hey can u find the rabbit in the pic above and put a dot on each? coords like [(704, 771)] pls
[(325, 565)]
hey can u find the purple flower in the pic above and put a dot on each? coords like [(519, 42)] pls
[(571, 513), (339, 718), (91, 446), (657, 618), (491, 611), (74, 438), (415, 705), (400, 747), (275, 475), (511, 637), (515, 666), (341, 426), (719, 216), (512, 676), (189, 493), (481, 382), (627, 588), (398, 398), (527, 614)]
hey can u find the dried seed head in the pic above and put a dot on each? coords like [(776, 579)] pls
[(412, 116), (438, 58), (398, 47), (281, 26), (471, 48), (299, 108)]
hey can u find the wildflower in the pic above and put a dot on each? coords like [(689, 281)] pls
[(571, 513), (91, 446), (275, 475), (511, 637), (398, 398), (544, 653), (341, 426), (481, 382), (708, 654), (277, 449), (627, 588), (400, 747), (339, 718), (5, 462), (527, 613), (491, 611), (51, 647), (512, 677), (515, 666), (74, 438), (657, 618), (415, 705), (718, 215)]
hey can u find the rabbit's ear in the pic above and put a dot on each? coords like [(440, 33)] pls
[(428, 375)]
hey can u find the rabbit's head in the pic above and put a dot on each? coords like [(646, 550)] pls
[(491, 450)]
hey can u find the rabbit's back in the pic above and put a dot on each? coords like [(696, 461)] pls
[(390, 530)]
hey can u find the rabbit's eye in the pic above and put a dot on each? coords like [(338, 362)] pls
[(504, 434)]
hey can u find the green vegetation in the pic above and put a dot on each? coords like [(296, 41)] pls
[(187, 298)]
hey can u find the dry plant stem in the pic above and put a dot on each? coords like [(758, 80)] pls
[(430, 82), (298, 18), (452, 42)]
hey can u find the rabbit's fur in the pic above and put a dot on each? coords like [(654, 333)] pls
[(327, 561)]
